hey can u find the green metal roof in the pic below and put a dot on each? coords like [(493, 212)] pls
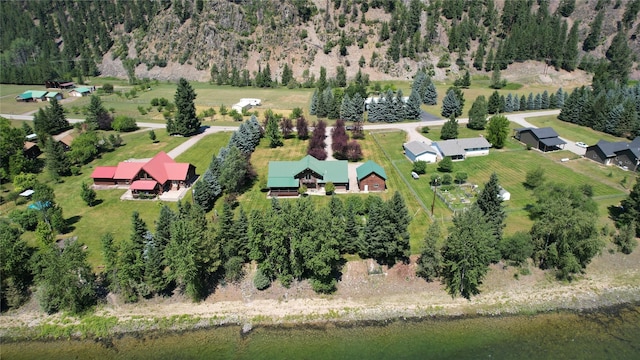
[(82, 89), (25, 95), (52, 94), (282, 173), (370, 167), (38, 94)]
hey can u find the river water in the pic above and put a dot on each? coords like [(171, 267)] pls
[(612, 333)]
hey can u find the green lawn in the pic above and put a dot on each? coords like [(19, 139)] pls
[(481, 87), (511, 165), (465, 132), (571, 131)]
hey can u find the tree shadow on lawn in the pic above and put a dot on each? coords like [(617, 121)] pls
[(71, 222)]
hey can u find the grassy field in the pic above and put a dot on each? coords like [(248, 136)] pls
[(511, 166), (571, 131), (280, 100)]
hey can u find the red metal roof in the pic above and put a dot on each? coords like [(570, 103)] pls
[(143, 185), (177, 171), (156, 167), (103, 172), (127, 170)]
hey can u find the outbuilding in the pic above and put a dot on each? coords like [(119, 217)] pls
[(371, 177)]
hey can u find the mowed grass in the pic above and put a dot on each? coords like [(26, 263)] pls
[(481, 87), (571, 131), (112, 214), (511, 166), (280, 100), (295, 149)]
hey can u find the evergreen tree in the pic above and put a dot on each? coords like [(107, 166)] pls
[(493, 106), (430, 94), (620, 58), (478, 114), (630, 215), (430, 260), (490, 202), (97, 116), (273, 133), (357, 105), (56, 162), (412, 107), (544, 100), (162, 235), (131, 264), (313, 107), (560, 98), (207, 190), (87, 194), (531, 102), (508, 103), (537, 103), (570, 57), (516, 103), (185, 123), (467, 253), (451, 105), (450, 129), (593, 39), (523, 103)]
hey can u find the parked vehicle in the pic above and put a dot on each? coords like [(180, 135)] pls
[(581, 144)]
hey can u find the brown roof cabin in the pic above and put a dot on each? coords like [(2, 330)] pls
[(31, 150), (371, 177)]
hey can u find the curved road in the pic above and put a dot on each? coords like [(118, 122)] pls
[(411, 128)]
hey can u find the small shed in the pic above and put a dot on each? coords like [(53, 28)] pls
[(504, 194), (371, 177), (80, 92), (53, 95), (417, 150)]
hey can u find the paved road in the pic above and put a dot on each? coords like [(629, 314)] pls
[(411, 128)]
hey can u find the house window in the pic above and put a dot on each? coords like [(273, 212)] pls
[(308, 177), (376, 185)]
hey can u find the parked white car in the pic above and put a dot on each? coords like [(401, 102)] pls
[(581, 144)]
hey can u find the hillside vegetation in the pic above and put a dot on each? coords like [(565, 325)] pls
[(235, 40)]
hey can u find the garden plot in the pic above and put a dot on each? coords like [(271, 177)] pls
[(457, 197)]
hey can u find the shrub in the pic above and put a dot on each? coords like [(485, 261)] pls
[(446, 179), (329, 188), (107, 88), (445, 165), (27, 219), (261, 281), (425, 130), (461, 177), (534, 178), (516, 248), (124, 124), (233, 269), (420, 167)]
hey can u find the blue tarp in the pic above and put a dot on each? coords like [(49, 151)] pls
[(39, 205)]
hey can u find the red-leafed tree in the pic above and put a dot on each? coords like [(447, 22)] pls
[(353, 152), (302, 128), (339, 139), (316, 143), (286, 127)]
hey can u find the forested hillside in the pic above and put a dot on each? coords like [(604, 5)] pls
[(230, 42)]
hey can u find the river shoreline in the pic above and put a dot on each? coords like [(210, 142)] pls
[(419, 301)]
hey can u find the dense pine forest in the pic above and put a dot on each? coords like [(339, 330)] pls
[(234, 42)]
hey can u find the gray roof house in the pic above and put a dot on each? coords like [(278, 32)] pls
[(544, 139), (459, 149), (417, 150), (622, 153)]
